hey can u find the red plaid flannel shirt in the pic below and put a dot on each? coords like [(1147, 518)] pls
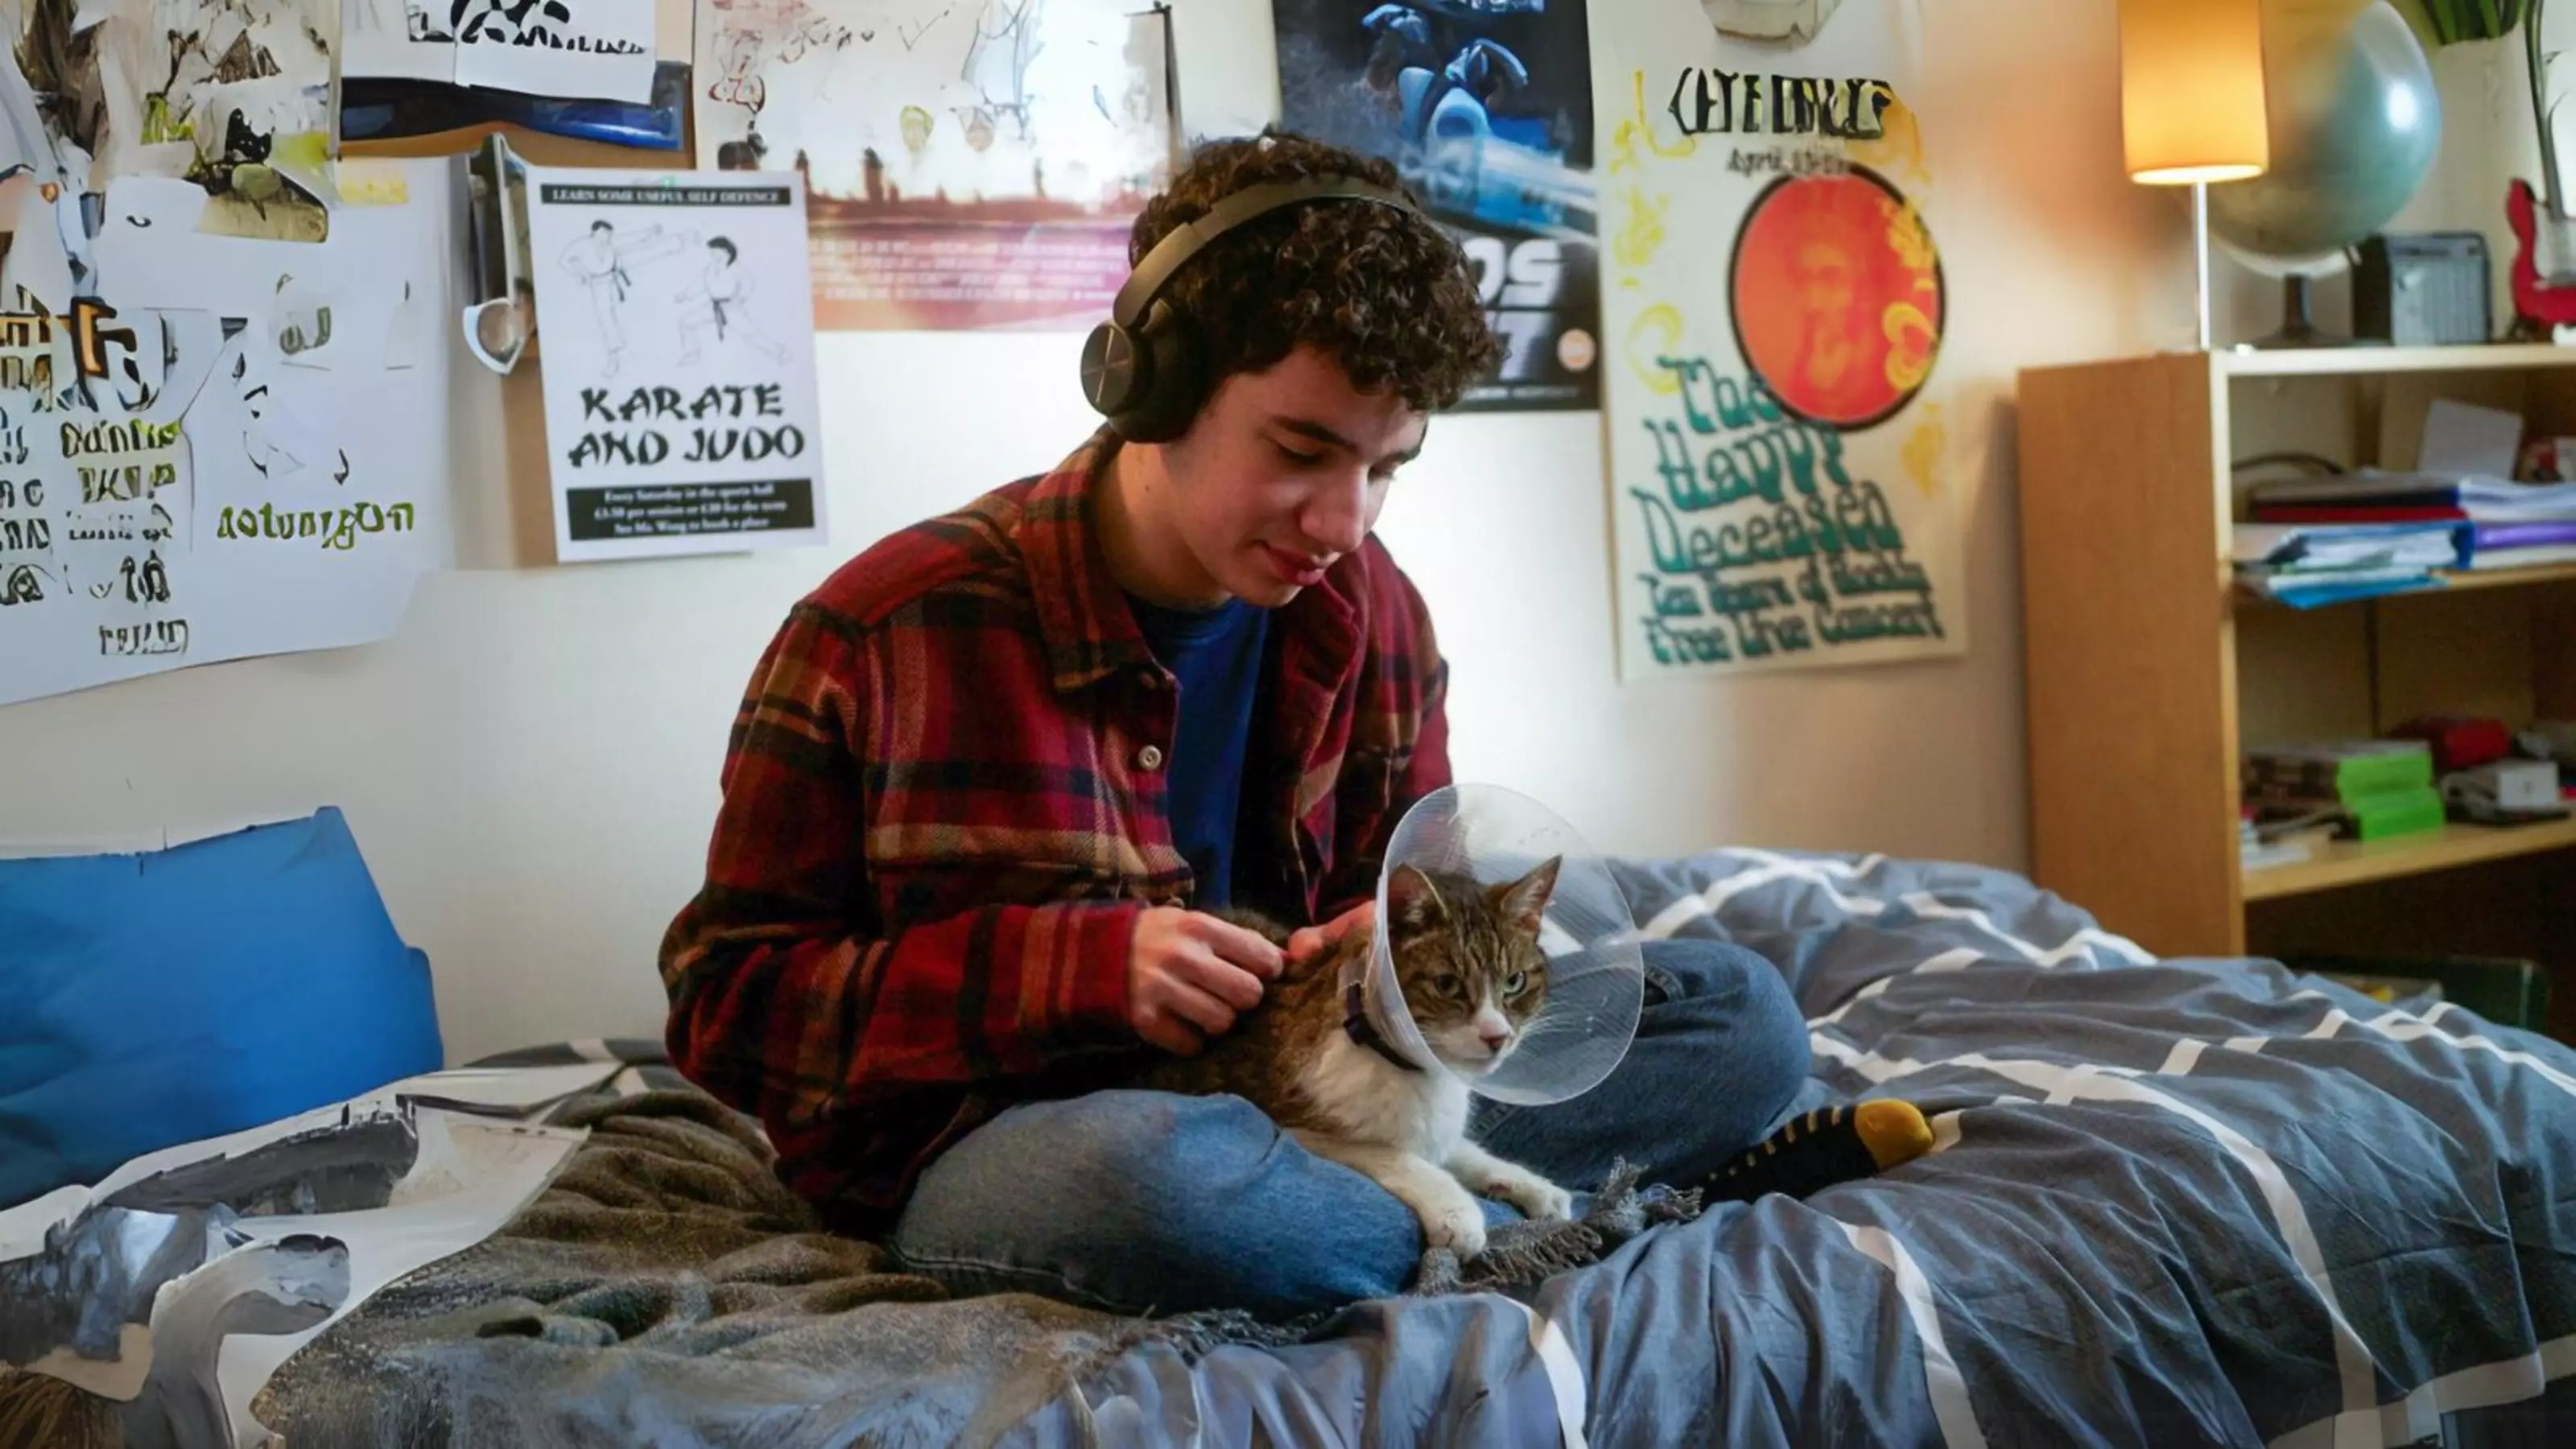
[(942, 817)]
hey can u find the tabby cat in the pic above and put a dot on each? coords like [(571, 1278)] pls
[(1468, 960)]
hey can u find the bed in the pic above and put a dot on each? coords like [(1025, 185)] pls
[(2171, 1202)]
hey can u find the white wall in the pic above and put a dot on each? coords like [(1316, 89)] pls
[(530, 764)]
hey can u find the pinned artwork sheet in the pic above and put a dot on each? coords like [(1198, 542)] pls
[(676, 326), (218, 446), (599, 49), (971, 165)]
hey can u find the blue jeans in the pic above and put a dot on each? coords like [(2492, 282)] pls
[(1143, 1202)]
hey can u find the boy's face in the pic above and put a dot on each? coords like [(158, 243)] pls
[(1282, 474)]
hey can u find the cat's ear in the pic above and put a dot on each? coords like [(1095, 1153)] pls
[(1412, 901), (1524, 902)]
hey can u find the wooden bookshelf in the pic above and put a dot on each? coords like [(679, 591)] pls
[(2453, 580), (2348, 862), (2150, 673), (2509, 578), (2383, 361)]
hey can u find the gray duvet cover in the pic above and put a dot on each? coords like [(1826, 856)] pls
[(2173, 1203)]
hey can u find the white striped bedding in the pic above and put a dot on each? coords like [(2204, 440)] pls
[(2172, 1203)]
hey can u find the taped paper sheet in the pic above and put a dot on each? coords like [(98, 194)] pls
[(229, 446), (677, 331), (581, 48)]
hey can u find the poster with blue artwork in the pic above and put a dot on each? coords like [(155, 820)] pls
[(1485, 107)]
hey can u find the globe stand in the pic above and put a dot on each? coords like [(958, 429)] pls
[(2298, 324)]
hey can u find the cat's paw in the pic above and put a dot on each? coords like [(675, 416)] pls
[(1453, 1221), (1538, 1199)]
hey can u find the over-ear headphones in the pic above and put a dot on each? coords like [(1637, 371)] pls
[(1142, 368)]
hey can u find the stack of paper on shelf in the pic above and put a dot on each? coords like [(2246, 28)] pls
[(2498, 523), (2308, 564)]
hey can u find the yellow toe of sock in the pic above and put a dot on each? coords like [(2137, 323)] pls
[(1894, 1132)]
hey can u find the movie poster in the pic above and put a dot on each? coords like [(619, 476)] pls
[(1486, 108), (1780, 440), (967, 163)]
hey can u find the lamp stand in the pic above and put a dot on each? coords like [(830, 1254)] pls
[(2200, 255)]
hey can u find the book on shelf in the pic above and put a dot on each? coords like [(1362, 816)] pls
[(2378, 815), (2475, 497), (2544, 556), (2340, 770)]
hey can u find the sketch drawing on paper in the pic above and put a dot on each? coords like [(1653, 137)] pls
[(431, 20), (605, 264), (717, 302)]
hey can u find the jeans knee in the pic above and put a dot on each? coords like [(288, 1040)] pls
[(1141, 1202), (1769, 1032), (1182, 1158)]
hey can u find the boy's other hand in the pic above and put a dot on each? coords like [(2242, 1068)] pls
[(1308, 941), (1189, 975)]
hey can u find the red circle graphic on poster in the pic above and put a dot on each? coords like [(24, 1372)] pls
[(1838, 295)]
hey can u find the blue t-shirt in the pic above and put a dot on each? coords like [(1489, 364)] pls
[(1215, 654)]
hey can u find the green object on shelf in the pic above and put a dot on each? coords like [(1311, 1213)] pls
[(2504, 990), (2346, 770), (2389, 814)]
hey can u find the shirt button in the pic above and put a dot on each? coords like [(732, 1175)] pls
[(1150, 758)]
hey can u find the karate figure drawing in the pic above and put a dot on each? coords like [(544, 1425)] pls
[(604, 265), (717, 302)]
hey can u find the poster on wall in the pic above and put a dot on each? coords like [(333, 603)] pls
[(968, 163), (676, 332), (1485, 107), (1774, 306), (576, 49), (215, 442)]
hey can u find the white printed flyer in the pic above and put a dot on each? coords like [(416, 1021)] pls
[(675, 320)]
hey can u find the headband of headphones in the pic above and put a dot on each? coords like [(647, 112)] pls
[(1190, 238)]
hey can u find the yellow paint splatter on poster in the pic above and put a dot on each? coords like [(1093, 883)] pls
[(1924, 447)]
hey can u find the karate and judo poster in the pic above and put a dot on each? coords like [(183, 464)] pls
[(1485, 107), (968, 163), (222, 394), (1774, 306), (676, 328)]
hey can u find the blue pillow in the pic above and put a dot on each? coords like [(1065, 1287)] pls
[(149, 1000)]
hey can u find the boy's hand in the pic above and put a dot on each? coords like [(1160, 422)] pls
[(1308, 941), (1189, 974)]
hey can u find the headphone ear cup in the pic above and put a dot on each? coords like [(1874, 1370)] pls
[(1169, 388), (1109, 370)]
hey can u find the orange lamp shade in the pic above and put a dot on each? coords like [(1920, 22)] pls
[(2191, 90)]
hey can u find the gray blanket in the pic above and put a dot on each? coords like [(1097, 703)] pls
[(666, 1289)]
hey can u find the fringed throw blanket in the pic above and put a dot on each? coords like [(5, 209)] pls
[(667, 1289)]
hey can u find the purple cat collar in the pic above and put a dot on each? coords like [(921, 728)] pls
[(1355, 1022)]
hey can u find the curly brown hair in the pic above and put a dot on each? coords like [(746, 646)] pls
[(1386, 294)]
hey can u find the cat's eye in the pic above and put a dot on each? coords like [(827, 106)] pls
[(1515, 983), (1446, 983)]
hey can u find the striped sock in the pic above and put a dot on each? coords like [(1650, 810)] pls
[(1826, 1146)]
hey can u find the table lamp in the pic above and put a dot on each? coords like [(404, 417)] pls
[(2191, 104)]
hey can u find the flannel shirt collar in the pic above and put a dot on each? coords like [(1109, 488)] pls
[(1082, 612), (1090, 632)]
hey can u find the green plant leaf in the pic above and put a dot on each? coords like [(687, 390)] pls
[(2455, 21)]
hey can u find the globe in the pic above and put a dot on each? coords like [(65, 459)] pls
[(2354, 122)]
